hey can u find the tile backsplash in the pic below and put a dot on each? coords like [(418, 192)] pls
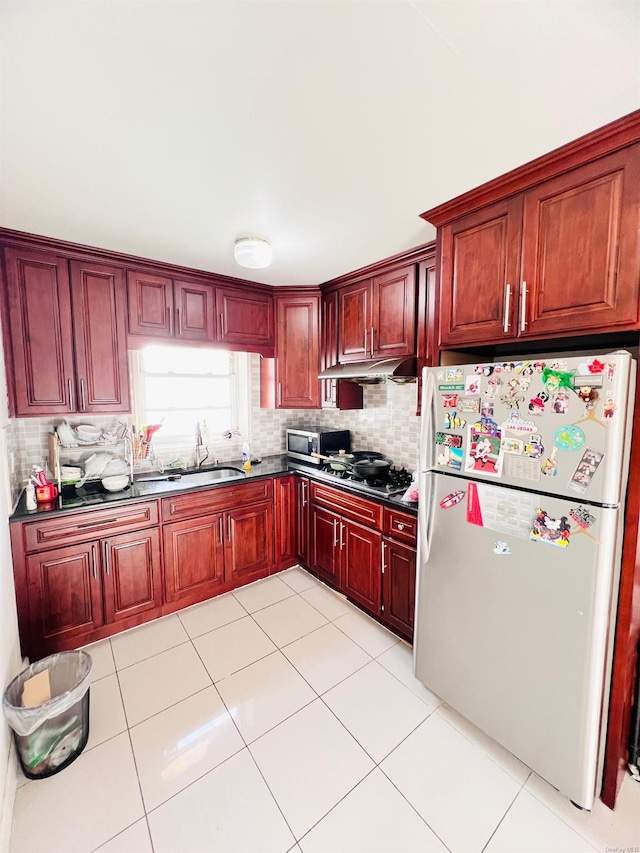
[(387, 424)]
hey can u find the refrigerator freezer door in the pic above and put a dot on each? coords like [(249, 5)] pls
[(561, 427), (513, 627)]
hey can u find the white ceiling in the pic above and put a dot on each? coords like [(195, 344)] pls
[(168, 129)]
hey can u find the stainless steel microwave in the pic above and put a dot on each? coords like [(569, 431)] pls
[(301, 443)]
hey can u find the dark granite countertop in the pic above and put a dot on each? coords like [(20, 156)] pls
[(95, 496)]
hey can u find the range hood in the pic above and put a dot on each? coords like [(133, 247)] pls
[(371, 372)]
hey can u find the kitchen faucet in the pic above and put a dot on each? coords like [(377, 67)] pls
[(200, 447)]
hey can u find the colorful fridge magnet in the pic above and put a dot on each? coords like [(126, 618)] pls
[(538, 366), (582, 517), (588, 395), (609, 407), (569, 437), (550, 465), (452, 421), (585, 469), (611, 370), (451, 386), (453, 374), (449, 449), (517, 424), (449, 401), (451, 500), (536, 404), (525, 381), (483, 455), (560, 403), (533, 447), (511, 445), (501, 548), (469, 405), (487, 410), (472, 385), (554, 379), (552, 531), (594, 381)]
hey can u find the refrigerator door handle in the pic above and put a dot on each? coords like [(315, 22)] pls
[(429, 386), (425, 515)]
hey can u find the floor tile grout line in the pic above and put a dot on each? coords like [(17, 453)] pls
[(508, 809), (273, 797), (408, 801), (154, 655), (478, 746), (578, 829)]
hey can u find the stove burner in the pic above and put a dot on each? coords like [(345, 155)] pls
[(398, 481)]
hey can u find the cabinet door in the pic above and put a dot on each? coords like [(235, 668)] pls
[(480, 275), (249, 547), (325, 550), (580, 258), (244, 318), (99, 298), (285, 514), (194, 319), (131, 575), (361, 564), (39, 334), (298, 350), (334, 393), (65, 598), (150, 299), (398, 586), (193, 558), (393, 327), (354, 321), (302, 519)]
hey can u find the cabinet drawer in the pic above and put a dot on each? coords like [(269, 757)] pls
[(359, 509), (216, 499), (82, 526), (401, 525)]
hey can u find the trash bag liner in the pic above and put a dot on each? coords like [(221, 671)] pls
[(69, 676)]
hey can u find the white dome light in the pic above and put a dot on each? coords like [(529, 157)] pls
[(253, 252)]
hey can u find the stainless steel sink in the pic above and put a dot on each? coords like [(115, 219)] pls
[(189, 479)]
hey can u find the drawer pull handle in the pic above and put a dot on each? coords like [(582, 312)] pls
[(93, 560), (400, 526)]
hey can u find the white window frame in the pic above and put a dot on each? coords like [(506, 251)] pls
[(241, 402)]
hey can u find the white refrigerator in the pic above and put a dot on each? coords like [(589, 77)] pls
[(523, 473)]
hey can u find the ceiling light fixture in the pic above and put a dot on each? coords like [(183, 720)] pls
[(253, 252)]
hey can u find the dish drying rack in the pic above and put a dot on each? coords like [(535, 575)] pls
[(77, 454)]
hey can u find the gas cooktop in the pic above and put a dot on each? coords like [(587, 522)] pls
[(398, 481)]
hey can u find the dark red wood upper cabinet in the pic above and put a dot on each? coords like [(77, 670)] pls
[(150, 304), (580, 259), (393, 322), (354, 319), (40, 368), (162, 307), (244, 318), (298, 352), (480, 275), (334, 393), (559, 258), (194, 319), (99, 299), (67, 336), (377, 316)]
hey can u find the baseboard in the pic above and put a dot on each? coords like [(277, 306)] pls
[(8, 801)]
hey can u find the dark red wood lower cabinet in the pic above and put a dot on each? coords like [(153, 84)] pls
[(325, 554), (398, 586), (194, 558), (131, 574), (303, 530), (249, 543), (285, 522), (360, 548), (65, 596)]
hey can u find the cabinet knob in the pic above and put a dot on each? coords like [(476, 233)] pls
[(400, 526)]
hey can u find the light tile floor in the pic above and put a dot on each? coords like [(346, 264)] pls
[(279, 718)]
